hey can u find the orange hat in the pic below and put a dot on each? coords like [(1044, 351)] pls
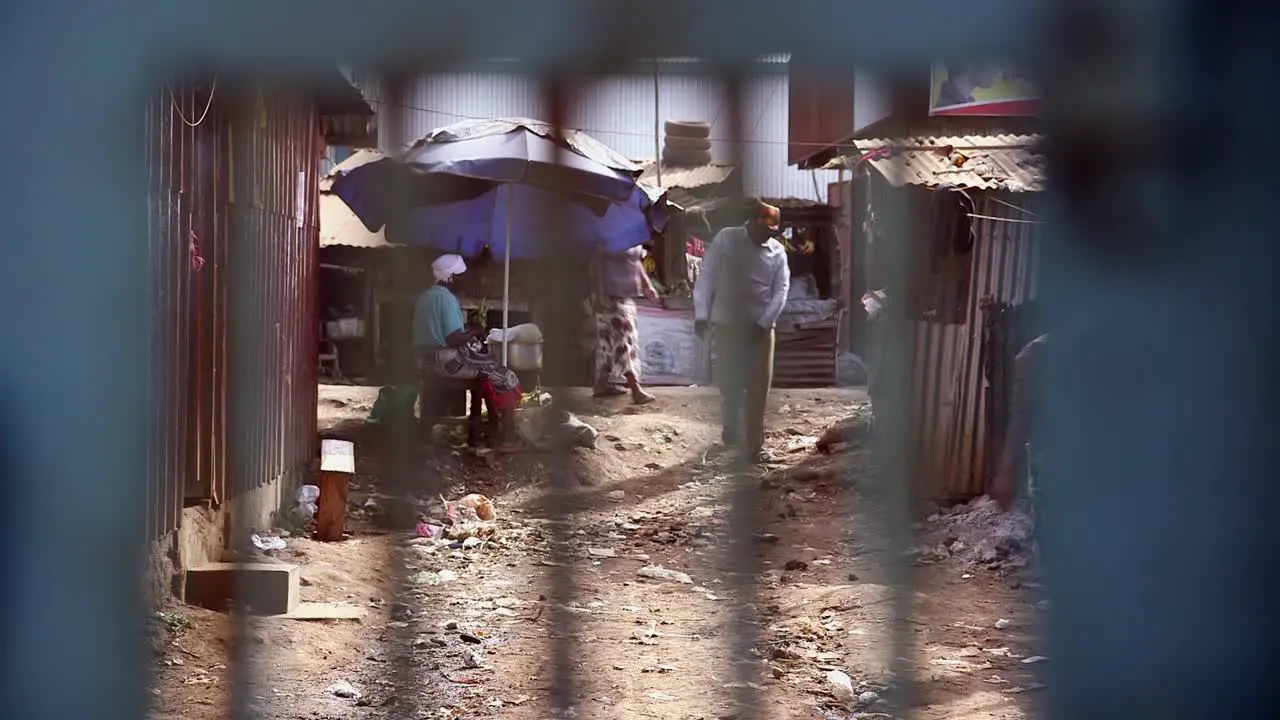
[(759, 211)]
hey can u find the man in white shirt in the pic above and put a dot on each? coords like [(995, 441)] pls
[(739, 294)]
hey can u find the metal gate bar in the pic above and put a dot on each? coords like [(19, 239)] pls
[(1133, 617)]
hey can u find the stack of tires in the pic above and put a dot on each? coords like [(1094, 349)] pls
[(687, 143)]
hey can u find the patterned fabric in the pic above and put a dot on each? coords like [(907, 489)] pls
[(617, 339), (467, 362)]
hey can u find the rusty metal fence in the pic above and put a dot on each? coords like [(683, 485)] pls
[(1158, 517), (194, 209)]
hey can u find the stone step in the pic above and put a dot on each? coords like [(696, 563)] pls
[(264, 588)]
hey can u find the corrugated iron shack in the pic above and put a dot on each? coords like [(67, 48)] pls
[(974, 249)]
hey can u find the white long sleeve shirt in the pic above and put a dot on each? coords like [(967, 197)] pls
[(741, 281)]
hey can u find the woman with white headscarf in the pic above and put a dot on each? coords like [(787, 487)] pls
[(447, 349)]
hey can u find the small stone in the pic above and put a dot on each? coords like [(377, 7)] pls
[(841, 686), (616, 495), (343, 689), (1002, 624), (655, 572), (868, 698), (796, 565), (473, 659)]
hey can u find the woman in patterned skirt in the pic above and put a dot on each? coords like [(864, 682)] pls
[(617, 280)]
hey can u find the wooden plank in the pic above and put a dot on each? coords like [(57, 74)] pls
[(331, 516)]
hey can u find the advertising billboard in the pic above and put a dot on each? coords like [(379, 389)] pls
[(981, 89)]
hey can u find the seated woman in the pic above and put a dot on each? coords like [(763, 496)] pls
[(446, 349)]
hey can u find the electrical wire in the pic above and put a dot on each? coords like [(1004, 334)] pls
[(173, 100), (1012, 206), (1008, 220), (623, 133), (648, 135)]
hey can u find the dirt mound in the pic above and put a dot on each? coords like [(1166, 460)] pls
[(979, 532)]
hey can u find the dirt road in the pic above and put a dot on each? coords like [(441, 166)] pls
[(473, 631)]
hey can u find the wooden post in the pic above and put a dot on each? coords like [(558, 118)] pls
[(337, 464)]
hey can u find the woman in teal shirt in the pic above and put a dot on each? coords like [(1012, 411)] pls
[(447, 349)]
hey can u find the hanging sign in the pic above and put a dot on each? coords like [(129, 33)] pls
[(981, 89), (300, 212)]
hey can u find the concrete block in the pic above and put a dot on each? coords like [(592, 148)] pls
[(264, 589)]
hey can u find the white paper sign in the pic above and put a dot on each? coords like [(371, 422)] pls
[(300, 212), (337, 456)]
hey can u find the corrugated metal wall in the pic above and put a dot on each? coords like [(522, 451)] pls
[(280, 212), (950, 401), (191, 201), (619, 112)]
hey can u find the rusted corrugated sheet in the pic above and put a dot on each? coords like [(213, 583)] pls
[(687, 178), (805, 356), (187, 238), (949, 390), (981, 162), (191, 203), (280, 214)]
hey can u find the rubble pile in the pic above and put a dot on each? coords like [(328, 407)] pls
[(980, 533)]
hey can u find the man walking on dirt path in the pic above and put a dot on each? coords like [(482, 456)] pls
[(739, 295)]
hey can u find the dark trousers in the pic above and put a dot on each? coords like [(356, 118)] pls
[(744, 372)]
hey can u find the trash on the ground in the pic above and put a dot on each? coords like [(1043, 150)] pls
[(657, 572), (583, 434), (547, 428), (851, 371), (267, 543), (427, 577), (800, 443), (472, 507), (306, 499), (616, 495), (841, 686), (1033, 659), (473, 659), (661, 697), (343, 689), (602, 552), (844, 434), (1002, 624), (472, 542), (427, 530)]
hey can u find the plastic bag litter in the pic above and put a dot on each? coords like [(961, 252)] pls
[(266, 543), (474, 504), (307, 498)]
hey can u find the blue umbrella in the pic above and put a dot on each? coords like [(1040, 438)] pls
[(469, 179), (467, 227)]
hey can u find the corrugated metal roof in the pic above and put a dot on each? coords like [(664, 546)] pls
[(981, 162), (618, 110), (686, 178)]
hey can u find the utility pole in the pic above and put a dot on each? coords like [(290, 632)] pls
[(657, 123)]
